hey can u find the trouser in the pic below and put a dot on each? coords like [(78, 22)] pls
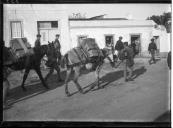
[(6, 86), (152, 57), (127, 70)]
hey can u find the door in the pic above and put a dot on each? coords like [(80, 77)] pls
[(136, 38), (48, 30), (44, 36), (157, 41)]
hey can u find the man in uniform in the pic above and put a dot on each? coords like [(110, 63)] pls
[(152, 48), (128, 62), (57, 45), (37, 42), (52, 55), (119, 45), (169, 60)]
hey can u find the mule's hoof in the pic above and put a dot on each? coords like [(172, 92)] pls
[(47, 87), (60, 80), (67, 94), (81, 91), (92, 87), (99, 87), (24, 89)]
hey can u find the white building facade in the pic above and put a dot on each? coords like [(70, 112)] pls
[(48, 20)]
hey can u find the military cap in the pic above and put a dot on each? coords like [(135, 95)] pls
[(38, 35), (57, 35), (120, 37), (152, 39)]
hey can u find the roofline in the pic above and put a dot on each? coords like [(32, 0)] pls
[(97, 19), (111, 26)]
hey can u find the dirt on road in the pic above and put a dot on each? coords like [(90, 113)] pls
[(144, 99)]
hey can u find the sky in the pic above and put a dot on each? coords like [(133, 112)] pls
[(134, 11)]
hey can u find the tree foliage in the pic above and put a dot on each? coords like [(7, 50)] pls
[(164, 19)]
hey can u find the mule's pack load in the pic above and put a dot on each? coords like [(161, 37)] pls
[(88, 50), (76, 55), (20, 47)]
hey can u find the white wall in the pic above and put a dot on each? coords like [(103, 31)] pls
[(29, 15), (165, 39), (98, 34)]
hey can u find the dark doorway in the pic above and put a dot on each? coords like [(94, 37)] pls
[(109, 41), (136, 38), (157, 41)]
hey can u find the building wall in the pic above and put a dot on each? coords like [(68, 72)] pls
[(99, 35), (29, 15)]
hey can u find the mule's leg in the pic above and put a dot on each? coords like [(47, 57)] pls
[(41, 77), (75, 79), (58, 72), (98, 69), (24, 78), (68, 73), (49, 73)]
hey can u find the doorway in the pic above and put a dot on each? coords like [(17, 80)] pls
[(48, 30), (109, 41), (136, 38), (157, 41)]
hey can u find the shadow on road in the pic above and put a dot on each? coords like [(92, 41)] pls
[(113, 76), (165, 117), (17, 94)]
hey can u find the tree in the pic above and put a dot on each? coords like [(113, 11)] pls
[(164, 19)]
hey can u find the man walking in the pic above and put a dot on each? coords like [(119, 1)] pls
[(57, 45), (119, 45), (128, 62), (37, 42), (53, 55), (152, 48)]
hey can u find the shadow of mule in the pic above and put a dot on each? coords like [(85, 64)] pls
[(113, 76), (33, 89)]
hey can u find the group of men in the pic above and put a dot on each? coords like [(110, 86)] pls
[(7, 71), (131, 51), (129, 57), (120, 47)]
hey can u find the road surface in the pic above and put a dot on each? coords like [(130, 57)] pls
[(144, 99)]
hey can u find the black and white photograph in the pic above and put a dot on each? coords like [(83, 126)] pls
[(87, 62)]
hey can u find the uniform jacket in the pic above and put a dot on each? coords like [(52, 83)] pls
[(152, 46), (37, 43), (58, 44), (130, 56), (119, 45)]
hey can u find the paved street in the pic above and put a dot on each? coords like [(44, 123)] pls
[(144, 99)]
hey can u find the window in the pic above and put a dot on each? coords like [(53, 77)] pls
[(16, 29), (109, 40), (48, 24)]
